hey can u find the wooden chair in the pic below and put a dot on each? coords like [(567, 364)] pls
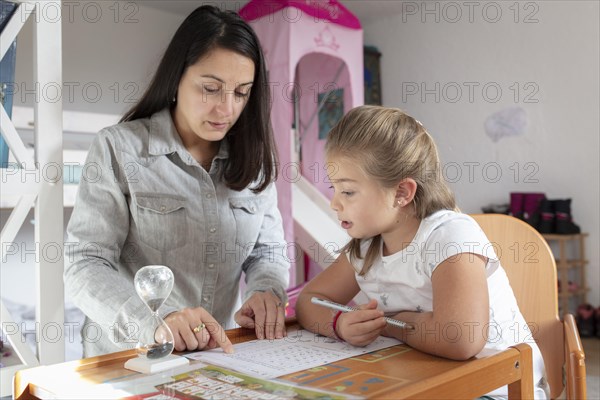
[(531, 270)]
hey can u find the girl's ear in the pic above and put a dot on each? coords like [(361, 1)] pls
[(405, 191)]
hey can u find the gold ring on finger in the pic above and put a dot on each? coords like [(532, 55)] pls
[(198, 328)]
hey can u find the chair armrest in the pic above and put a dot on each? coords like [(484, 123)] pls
[(575, 360)]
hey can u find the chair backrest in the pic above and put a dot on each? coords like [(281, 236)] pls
[(531, 269)]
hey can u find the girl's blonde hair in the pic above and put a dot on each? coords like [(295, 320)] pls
[(390, 145)]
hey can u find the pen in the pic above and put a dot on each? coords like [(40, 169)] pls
[(343, 308)]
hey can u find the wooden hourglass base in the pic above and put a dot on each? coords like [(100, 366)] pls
[(148, 366)]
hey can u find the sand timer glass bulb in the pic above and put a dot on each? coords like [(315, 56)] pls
[(153, 284)]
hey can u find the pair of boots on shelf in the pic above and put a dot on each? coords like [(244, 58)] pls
[(547, 216), (588, 320), (555, 217)]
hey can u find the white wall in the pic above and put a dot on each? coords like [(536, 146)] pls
[(110, 51), (553, 59)]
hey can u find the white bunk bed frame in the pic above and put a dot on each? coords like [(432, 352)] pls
[(46, 196)]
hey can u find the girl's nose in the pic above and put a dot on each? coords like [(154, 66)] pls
[(334, 204)]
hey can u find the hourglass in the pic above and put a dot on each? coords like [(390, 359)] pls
[(153, 284)]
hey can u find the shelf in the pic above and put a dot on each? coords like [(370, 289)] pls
[(578, 292), (570, 268), (17, 181), (556, 236), (569, 264), (8, 201)]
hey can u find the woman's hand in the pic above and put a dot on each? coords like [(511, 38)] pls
[(363, 326), (265, 313), (196, 329)]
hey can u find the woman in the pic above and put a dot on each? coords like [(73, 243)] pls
[(185, 180)]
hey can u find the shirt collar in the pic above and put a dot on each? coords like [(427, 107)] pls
[(164, 138)]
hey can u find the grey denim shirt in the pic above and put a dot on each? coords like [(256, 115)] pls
[(144, 200)]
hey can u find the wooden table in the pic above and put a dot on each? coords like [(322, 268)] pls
[(393, 373)]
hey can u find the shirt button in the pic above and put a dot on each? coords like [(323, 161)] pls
[(209, 195), (253, 209), (205, 299), (212, 230), (163, 208), (211, 266)]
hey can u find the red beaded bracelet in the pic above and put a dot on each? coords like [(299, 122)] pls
[(335, 320)]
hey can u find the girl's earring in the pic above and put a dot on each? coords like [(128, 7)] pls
[(401, 203)]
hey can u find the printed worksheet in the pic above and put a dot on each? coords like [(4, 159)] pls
[(298, 351)]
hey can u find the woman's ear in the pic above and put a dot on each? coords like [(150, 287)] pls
[(405, 191)]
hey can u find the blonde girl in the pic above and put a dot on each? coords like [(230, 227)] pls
[(412, 253)]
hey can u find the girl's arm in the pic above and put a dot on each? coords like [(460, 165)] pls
[(457, 326), (338, 283)]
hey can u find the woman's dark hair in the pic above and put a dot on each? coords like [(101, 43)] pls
[(252, 154)]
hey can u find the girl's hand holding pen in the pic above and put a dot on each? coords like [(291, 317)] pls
[(361, 327)]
